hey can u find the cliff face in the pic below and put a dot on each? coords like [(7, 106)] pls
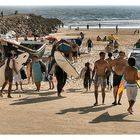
[(23, 23)]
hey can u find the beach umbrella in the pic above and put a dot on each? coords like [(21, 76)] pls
[(112, 37)]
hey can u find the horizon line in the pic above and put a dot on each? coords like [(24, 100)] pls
[(72, 5)]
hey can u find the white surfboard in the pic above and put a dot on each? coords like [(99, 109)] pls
[(22, 58), (65, 64)]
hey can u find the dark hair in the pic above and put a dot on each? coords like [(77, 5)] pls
[(35, 56), (132, 61), (9, 55), (109, 54), (101, 53), (87, 64), (121, 52)]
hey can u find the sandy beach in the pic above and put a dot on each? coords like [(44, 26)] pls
[(32, 112)]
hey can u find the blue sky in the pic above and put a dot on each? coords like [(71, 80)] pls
[(69, 2)]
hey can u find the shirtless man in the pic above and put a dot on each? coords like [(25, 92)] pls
[(101, 68), (131, 76), (118, 66)]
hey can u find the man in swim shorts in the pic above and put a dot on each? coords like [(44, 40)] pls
[(131, 76), (101, 68), (118, 66)]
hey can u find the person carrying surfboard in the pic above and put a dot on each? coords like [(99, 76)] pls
[(131, 76), (101, 68), (61, 77), (60, 74), (118, 66), (9, 74)]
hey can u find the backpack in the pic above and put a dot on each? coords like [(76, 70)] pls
[(23, 74), (43, 67)]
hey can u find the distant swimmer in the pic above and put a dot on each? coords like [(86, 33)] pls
[(99, 25), (117, 29)]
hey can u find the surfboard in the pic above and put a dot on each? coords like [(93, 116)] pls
[(65, 64), (123, 83), (22, 58)]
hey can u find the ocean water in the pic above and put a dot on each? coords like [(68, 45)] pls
[(74, 16)]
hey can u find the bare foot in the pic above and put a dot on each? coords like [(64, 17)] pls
[(114, 103), (9, 96), (52, 88), (1, 95), (60, 96), (37, 90), (95, 104), (119, 103), (129, 111)]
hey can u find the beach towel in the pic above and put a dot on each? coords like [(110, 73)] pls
[(123, 83)]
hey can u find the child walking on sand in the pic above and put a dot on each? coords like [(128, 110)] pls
[(86, 74), (131, 76)]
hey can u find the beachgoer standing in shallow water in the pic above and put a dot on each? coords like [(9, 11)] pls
[(99, 25), (2, 14), (101, 68), (87, 27), (117, 29), (86, 74), (118, 66), (131, 76)]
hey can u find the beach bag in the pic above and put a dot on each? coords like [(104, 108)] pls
[(23, 74), (48, 77), (43, 67)]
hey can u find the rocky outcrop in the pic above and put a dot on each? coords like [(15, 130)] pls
[(24, 23)]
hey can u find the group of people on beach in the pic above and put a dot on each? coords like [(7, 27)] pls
[(35, 70), (101, 74)]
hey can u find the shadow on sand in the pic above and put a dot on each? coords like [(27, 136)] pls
[(41, 93), (84, 110), (105, 117), (28, 100), (73, 90)]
